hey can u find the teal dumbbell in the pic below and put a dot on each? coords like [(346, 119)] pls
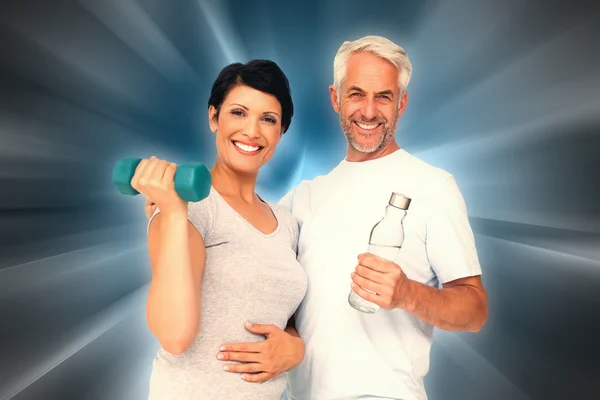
[(192, 181)]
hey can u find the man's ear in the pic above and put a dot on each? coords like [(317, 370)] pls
[(335, 101), (403, 103)]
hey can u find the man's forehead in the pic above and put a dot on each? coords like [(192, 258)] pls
[(371, 73), (375, 85)]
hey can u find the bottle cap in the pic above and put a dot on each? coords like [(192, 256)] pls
[(399, 200)]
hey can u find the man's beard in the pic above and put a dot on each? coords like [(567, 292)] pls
[(386, 135)]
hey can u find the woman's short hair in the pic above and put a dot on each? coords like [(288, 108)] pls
[(262, 75)]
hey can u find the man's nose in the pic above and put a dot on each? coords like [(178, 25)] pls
[(369, 108)]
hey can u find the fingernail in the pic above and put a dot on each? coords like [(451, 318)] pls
[(247, 324), (243, 377), (226, 368), (220, 356), (222, 348), (353, 284)]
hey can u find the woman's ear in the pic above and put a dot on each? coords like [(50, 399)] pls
[(213, 118)]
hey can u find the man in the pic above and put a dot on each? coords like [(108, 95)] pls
[(349, 354), (385, 355)]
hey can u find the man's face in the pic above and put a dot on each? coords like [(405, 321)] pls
[(369, 102)]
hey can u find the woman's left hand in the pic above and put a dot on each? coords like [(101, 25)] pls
[(266, 359)]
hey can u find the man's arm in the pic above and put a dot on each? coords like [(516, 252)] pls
[(291, 327), (460, 305), (281, 351)]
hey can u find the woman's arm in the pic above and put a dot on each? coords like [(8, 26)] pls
[(177, 255)]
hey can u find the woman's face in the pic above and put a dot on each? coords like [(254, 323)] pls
[(248, 128)]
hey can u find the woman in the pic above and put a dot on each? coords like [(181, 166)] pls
[(228, 259)]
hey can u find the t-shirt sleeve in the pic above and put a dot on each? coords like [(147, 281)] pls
[(201, 214), (287, 201), (450, 241), (297, 202), (295, 233)]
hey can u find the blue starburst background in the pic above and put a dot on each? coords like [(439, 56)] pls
[(504, 95)]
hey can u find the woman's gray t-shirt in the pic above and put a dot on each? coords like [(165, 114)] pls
[(248, 276)]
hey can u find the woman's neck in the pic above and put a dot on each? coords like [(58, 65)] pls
[(233, 184)]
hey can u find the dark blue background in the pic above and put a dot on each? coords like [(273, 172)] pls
[(504, 95)]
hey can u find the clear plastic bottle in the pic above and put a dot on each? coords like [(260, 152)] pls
[(387, 237)]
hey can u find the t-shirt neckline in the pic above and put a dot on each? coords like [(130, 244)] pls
[(245, 221), (378, 160)]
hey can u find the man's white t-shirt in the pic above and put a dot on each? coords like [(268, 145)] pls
[(349, 354)]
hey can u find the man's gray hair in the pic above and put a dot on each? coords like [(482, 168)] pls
[(379, 46)]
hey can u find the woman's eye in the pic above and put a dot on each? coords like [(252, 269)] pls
[(237, 112), (271, 120)]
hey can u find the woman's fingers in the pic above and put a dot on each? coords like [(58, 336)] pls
[(154, 178), (168, 177)]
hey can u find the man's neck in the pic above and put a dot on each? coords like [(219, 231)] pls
[(354, 155)]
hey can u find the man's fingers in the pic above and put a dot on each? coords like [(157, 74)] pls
[(261, 329), (241, 368), (376, 263), (255, 347), (239, 356), (262, 377), (373, 298), (369, 285), (370, 274)]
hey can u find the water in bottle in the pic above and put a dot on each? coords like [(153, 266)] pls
[(387, 237)]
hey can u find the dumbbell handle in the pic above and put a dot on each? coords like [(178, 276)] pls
[(192, 181)]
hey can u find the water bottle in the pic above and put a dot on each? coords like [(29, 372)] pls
[(385, 241)]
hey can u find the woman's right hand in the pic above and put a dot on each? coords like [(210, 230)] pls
[(155, 179)]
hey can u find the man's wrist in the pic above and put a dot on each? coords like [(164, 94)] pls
[(300, 351), (298, 346), (407, 295)]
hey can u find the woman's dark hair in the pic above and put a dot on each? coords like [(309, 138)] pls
[(262, 75)]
